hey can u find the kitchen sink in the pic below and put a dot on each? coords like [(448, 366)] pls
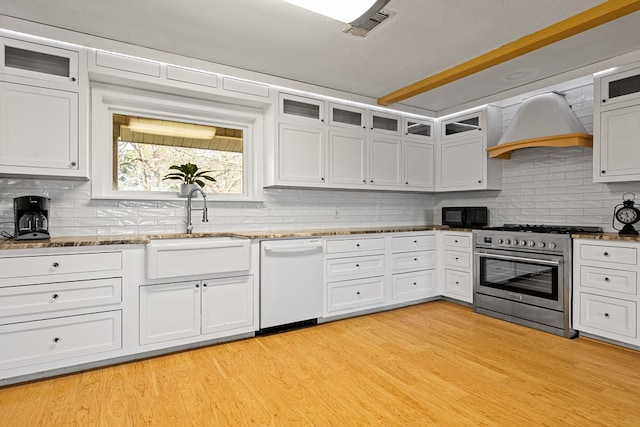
[(196, 256)]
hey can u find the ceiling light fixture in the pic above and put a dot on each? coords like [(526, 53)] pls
[(341, 10), (169, 128)]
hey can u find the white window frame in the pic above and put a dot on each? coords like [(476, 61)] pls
[(109, 100)]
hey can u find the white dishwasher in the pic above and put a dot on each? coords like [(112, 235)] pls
[(290, 281)]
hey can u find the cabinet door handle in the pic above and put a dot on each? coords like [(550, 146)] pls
[(197, 286), (55, 265), (73, 79), (603, 171), (56, 340), (74, 164), (54, 296)]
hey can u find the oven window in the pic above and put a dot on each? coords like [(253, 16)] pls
[(520, 277)]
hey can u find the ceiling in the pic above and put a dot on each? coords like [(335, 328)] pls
[(422, 38)]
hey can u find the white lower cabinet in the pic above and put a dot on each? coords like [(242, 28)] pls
[(410, 286), (365, 272), (178, 310), (357, 293), (605, 289), (40, 341), (456, 252), (59, 308)]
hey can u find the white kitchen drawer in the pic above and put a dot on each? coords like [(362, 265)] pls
[(457, 283), (357, 293), (43, 265), (408, 286), (457, 241), (33, 299), (457, 259), (610, 254), (413, 242), (127, 63), (29, 343), (354, 266), (607, 279), (609, 315), (414, 260), (355, 245)]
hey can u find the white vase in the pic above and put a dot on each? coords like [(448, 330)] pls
[(186, 189)]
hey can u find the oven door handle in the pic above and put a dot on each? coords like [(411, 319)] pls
[(518, 258)]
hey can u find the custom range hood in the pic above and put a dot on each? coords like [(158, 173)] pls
[(544, 120)]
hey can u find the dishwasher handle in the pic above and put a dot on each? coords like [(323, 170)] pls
[(310, 247)]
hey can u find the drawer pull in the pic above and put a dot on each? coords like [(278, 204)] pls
[(357, 265), (457, 258), (455, 241), (415, 259), (606, 315), (56, 340), (357, 245), (606, 254), (415, 241), (54, 296), (415, 284), (197, 286), (358, 293), (204, 285), (606, 279), (457, 283), (55, 265)]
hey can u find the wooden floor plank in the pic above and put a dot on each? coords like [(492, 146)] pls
[(431, 364)]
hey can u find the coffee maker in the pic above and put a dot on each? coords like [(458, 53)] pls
[(31, 215)]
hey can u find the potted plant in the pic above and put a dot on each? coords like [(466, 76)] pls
[(190, 176)]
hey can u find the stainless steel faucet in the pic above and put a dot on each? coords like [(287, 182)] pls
[(205, 216)]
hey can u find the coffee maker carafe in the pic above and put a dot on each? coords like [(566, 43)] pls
[(31, 217)]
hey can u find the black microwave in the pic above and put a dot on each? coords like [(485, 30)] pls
[(465, 217)]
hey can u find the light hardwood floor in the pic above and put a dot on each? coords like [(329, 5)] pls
[(431, 364)]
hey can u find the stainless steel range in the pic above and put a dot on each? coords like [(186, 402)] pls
[(522, 274)]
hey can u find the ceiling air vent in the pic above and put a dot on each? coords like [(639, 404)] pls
[(367, 23)]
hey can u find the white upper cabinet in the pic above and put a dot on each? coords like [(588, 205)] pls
[(385, 123), (43, 110), (616, 127), (419, 165), (347, 158), (418, 129), (301, 155), (39, 61), (302, 110), (463, 162), (385, 165), (347, 116), (620, 86), (464, 126)]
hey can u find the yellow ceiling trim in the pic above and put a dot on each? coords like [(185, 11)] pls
[(591, 18)]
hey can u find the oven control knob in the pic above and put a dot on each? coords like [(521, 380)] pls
[(531, 243), (541, 244), (523, 242), (552, 245)]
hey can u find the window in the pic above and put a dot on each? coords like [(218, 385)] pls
[(137, 135), (144, 149)]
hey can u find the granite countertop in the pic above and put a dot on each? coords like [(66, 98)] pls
[(606, 236), (59, 242)]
